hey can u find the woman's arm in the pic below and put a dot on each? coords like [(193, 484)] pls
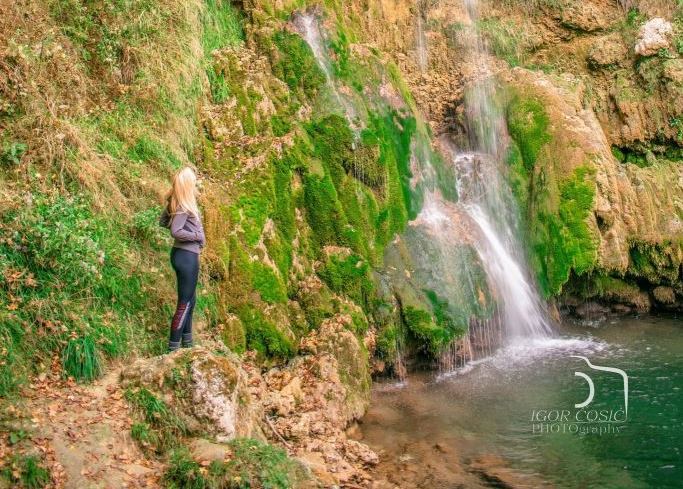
[(178, 231), (165, 218)]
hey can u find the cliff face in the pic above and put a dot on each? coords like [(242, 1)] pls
[(591, 92)]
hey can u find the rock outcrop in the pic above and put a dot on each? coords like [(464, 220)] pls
[(653, 36), (305, 406)]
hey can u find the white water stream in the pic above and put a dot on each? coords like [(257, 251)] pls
[(308, 25)]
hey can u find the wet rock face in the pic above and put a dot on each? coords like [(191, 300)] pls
[(653, 36)]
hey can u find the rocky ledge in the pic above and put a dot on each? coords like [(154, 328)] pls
[(304, 406)]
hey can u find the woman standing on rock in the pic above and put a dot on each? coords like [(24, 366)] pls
[(181, 216)]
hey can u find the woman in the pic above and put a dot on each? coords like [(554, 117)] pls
[(181, 216)]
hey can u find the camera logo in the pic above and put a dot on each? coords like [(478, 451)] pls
[(591, 386), (582, 419)]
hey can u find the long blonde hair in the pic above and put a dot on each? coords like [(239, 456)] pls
[(182, 196)]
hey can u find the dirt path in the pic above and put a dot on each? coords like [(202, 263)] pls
[(83, 431)]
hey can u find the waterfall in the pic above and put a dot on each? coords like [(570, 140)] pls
[(469, 251), (487, 199), (421, 40), (308, 26), (488, 214)]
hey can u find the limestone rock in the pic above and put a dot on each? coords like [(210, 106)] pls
[(210, 391), (607, 51), (585, 16), (664, 295), (654, 35), (315, 397)]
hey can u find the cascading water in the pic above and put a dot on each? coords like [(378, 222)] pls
[(486, 213), (421, 40), (488, 201), (307, 24), (445, 233), (480, 186)]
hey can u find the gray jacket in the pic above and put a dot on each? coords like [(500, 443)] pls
[(186, 229)]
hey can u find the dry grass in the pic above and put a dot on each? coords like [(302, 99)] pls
[(50, 93), (654, 8)]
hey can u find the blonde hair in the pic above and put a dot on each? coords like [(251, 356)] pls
[(182, 196)]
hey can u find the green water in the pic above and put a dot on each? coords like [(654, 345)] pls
[(488, 408)]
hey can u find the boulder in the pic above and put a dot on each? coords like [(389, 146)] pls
[(654, 35), (209, 391)]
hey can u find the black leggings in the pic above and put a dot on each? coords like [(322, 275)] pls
[(186, 266)]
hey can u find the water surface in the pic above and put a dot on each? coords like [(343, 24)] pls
[(488, 407)]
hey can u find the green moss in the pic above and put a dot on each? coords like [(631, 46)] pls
[(268, 284), (518, 176), (281, 125), (349, 276), (324, 212), (444, 317), (295, 64), (528, 126), (263, 336), (556, 210), (431, 332), (618, 154), (332, 144), (658, 263), (421, 325), (250, 213), (387, 342), (393, 134), (562, 241)]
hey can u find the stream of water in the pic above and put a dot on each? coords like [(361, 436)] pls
[(487, 408)]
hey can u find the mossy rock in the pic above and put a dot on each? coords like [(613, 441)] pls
[(196, 391)]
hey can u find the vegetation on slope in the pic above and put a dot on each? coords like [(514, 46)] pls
[(555, 207), (126, 92)]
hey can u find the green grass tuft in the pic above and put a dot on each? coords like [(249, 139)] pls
[(25, 472), (254, 465), (161, 428), (81, 359)]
